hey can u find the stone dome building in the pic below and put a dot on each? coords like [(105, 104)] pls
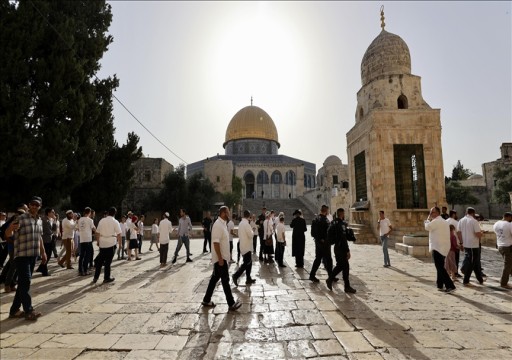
[(252, 153), (394, 149)]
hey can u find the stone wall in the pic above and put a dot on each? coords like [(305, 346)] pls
[(220, 173), (333, 197)]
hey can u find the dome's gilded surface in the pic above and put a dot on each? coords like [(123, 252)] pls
[(388, 54), (251, 122)]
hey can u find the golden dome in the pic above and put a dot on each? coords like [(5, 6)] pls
[(251, 122)]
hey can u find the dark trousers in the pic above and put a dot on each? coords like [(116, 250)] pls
[(24, 266), (85, 256), (443, 279), (164, 249), (207, 240), (139, 242), (457, 259), (262, 244), (246, 266), (43, 268), (231, 250), (279, 252), (506, 252), (322, 253), (238, 251), (472, 263), (104, 258), (222, 273), (342, 264), (3, 253), (254, 242)]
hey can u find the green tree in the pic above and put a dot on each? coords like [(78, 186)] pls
[(503, 177), (109, 187), (456, 194), (460, 173), (55, 114)]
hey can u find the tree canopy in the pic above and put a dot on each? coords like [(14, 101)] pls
[(456, 194), (55, 114), (503, 177), (460, 173)]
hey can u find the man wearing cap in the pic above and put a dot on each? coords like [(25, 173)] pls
[(108, 235), (245, 241), (164, 230), (469, 233), (503, 230), (261, 230), (68, 234), (28, 245)]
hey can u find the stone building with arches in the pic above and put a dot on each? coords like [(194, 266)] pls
[(251, 153)]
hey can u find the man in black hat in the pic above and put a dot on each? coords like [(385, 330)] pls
[(298, 225), (28, 245)]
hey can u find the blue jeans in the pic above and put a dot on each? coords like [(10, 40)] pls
[(24, 266), (182, 240), (384, 240)]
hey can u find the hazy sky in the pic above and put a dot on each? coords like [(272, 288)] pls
[(186, 68)]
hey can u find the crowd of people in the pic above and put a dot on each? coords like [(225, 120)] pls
[(29, 237)]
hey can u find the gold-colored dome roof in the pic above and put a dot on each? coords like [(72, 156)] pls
[(251, 122)]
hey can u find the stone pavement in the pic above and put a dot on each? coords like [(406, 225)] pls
[(148, 313)]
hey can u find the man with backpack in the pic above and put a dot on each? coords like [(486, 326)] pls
[(319, 228), (338, 236)]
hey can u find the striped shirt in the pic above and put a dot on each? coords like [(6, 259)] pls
[(26, 239)]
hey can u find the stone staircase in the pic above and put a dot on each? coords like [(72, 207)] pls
[(287, 206), (363, 234)]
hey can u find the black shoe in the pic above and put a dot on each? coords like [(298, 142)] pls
[(250, 281), (174, 260), (335, 279), (314, 279), (189, 260), (235, 280), (350, 290), (208, 304), (236, 305), (329, 284), (94, 280), (450, 290), (106, 281)]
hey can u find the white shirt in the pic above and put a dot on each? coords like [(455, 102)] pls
[(220, 235), (154, 229), (452, 221), (268, 229), (68, 228), (438, 235), (123, 229), (384, 226), (164, 230), (503, 230), (108, 228), (133, 230), (280, 231), (245, 235), (469, 227), (231, 227), (85, 227), (254, 227)]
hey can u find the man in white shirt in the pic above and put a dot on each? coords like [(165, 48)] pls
[(503, 230), (68, 233), (86, 228), (220, 257), (108, 235), (245, 235), (469, 233), (453, 220), (384, 227), (280, 241), (164, 230), (231, 234), (439, 245)]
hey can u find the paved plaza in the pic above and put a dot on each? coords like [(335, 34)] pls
[(152, 313)]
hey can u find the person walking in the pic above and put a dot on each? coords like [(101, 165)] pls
[(140, 233), (164, 231), (68, 234), (469, 233), (453, 220), (280, 242), (220, 258), (384, 227), (337, 234), (108, 235), (154, 235), (319, 228), (28, 245), (439, 245), (132, 244), (49, 215), (207, 232), (503, 230), (184, 228), (261, 230), (245, 235), (86, 228), (121, 251), (299, 227)]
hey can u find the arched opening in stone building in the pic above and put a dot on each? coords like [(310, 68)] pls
[(290, 182), (262, 187), (402, 102), (250, 191), (276, 181)]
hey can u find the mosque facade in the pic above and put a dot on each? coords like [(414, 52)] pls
[(252, 154)]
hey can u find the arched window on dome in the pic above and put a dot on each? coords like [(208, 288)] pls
[(276, 181), (402, 102)]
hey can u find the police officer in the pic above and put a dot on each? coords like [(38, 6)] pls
[(322, 247), (338, 229)]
